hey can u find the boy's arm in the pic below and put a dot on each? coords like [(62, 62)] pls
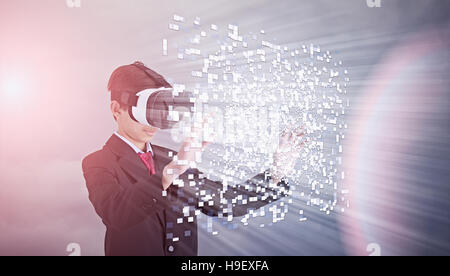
[(254, 193), (120, 207), (236, 200)]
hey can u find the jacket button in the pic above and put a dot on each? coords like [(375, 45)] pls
[(154, 200), (146, 207), (171, 249)]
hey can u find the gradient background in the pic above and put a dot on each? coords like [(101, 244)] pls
[(55, 62)]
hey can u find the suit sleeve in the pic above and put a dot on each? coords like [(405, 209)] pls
[(214, 199), (119, 207)]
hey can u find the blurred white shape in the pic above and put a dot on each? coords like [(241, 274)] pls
[(374, 249), (73, 3), (197, 21), (174, 27), (178, 18), (74, 249), (164, 43)]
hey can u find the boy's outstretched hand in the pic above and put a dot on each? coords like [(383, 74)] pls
[(189, 153), (288, 152), (285, 157)]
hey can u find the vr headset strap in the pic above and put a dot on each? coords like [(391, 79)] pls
[(160, 81), (129, 99)]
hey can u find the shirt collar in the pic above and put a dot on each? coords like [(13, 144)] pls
[(136, 149)]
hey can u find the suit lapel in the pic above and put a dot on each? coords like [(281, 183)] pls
[(130, 162), (128, 159)]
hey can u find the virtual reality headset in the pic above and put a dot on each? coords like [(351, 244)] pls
[(157, 107)]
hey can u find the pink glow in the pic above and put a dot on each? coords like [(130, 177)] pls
[(371, 158)]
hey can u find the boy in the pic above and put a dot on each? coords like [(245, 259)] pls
[(131, 181)]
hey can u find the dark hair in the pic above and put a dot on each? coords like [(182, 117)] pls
[(128, 79)]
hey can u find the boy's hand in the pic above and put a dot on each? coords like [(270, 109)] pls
[(189, 153), (288, 152)]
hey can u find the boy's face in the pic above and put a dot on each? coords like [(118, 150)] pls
[(132, 129)]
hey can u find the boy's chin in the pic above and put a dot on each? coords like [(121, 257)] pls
[(148, 134)]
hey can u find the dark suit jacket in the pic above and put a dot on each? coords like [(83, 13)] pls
[(142, 220)]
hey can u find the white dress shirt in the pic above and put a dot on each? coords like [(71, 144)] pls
[(136, 149)]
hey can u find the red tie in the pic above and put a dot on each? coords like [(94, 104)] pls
[(148, 161)]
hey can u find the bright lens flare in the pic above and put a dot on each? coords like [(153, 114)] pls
[(12, 88)]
